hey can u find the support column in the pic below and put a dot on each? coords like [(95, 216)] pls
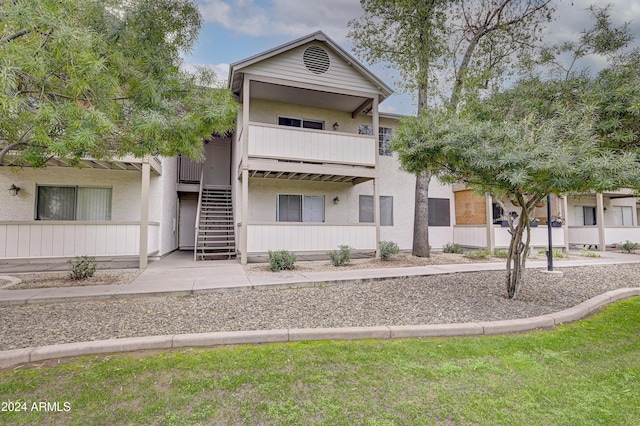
[(376, 210), (245, 216), (376, 181), (144, 212), (491, 239), (600, 221), (564, 212)]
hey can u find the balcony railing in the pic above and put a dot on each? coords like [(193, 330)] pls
[(309, 236), (44, 239), (288, 143)]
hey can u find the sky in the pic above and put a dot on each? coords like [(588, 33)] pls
[(236, 29)]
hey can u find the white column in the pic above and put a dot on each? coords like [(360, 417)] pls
[(491, 243), (245, 216), (564, 212), (376, 181), (600, 221), (144, 212)]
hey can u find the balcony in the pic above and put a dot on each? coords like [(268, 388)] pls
[(476, 236), (286, 152)]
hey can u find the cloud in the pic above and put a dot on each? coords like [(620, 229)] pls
[(292, 18)]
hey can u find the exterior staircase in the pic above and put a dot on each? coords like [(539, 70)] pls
[(215, 229)]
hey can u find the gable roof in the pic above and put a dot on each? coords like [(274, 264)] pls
[(235, 69)]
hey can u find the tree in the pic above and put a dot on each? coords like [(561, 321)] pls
[(469, 42), (102, 79), (516, 159), (574, 134)]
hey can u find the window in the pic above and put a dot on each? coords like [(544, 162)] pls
[(386, 210), (585, 215), (300, 208), (298, 122), (439, 212), (73, 203), (622, 215), (497, 212), (384, 137)]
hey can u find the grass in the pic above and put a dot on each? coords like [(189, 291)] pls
[(478, 254), (581, 373)]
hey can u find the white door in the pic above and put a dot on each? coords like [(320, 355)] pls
[(187, 228)]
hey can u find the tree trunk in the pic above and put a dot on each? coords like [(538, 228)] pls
[(421, 217), (519, 249)]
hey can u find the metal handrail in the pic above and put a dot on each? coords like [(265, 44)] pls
[(195, 243)]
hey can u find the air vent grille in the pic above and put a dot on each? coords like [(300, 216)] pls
[(316, 59)]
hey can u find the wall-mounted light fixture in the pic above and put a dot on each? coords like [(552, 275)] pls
[(13, 189), (336, 126), (336, 200)]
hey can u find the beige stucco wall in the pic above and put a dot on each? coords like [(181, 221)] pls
[(125, 190)]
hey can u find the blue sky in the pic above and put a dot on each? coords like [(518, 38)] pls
[(236, 29)]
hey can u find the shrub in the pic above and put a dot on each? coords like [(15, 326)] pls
[(388, 249), (281, 259), (478, 254), (452, 248), (82, 267), (503, 254), (341, 257), (557, 253), (585, 252), (628, 246)]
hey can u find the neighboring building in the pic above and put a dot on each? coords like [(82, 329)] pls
[(307, 169)]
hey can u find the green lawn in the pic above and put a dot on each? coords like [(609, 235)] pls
[(583, 373)]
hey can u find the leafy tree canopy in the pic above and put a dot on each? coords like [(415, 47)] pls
[(102, 79)]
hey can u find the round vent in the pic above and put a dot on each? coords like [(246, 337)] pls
[(316, 59)]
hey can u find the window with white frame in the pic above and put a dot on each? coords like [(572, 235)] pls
[(305, 123), (366, 210), (622, 215), (384, 137), (300, 208), (73, 203)]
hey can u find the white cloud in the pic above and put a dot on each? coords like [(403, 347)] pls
[(293, 18)]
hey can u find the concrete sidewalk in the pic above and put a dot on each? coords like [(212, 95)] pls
[(179, 275)]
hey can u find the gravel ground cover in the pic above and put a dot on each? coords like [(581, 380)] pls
[(462, 297)]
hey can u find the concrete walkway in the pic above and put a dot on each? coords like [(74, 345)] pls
[(177, 274)]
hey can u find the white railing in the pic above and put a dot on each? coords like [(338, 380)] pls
[(309, 236), (539, 236), (470, 235), (74, 238), (620, 234), (279, 142), (584, 235)]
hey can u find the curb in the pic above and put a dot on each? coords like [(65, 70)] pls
[(14, 357)]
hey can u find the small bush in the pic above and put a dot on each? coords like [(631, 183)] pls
[(82, 267), (340, 257), (628, 246), (557, 253), (387, 249), (503, 254), (478, 254), (281, 259), (585, 252), (452, 248)]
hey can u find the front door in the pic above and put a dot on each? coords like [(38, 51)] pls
[(217, 168), (187, 224)]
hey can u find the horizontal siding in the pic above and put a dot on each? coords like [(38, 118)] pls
[(289, 66)]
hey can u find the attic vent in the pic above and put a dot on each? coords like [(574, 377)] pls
[(316, 59)]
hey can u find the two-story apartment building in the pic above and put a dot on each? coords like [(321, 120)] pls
[(307, 169)]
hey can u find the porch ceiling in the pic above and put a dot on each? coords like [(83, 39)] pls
[(307, 97), (309, 172), (128, 163)]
